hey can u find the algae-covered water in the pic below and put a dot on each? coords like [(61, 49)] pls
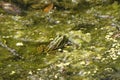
[(73, 40)]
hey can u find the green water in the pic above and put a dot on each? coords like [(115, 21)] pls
[(93, 54)]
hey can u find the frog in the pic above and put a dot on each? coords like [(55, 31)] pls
[(58, 42)]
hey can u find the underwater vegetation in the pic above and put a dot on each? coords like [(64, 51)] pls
[(59, 40)]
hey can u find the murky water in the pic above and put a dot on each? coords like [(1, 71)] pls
[(30, 48)]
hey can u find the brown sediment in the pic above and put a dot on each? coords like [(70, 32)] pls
[(116, 35)]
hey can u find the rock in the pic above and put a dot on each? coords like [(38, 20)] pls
[(10, 8)]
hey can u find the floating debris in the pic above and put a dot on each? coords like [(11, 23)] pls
[(10, 8), (48, 8), (19, 44)]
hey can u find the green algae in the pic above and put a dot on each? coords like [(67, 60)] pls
[(93, 54)]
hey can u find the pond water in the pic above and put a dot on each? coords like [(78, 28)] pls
[(32, 46)]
